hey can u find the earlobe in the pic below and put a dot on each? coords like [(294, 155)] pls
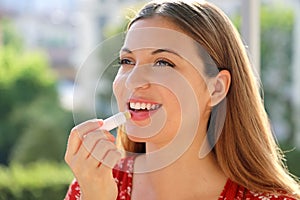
[(221, 85)]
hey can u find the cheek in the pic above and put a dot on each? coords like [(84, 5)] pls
[(173, 110), (174, 118), (173, 106), (115, 85), (118, 88), (203, 98)]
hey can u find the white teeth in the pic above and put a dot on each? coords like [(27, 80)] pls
[(143, 106), (148, 106), (132, 105), (137, 106)]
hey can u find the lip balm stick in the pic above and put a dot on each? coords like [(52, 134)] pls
[(115, 120)]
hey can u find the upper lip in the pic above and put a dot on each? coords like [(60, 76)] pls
[(140, 100)]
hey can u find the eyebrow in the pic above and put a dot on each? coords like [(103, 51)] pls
[(126, 50), (154, 52), (165, 50)]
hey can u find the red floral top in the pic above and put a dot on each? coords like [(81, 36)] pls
[(123, 175)]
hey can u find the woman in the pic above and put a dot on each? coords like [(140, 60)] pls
[(198, 125)]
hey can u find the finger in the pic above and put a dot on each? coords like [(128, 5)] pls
[(88, 126), (92, 138), (111, 158), (101, 149), (109, 136), (90, 142), (109, 162), (76, 135)]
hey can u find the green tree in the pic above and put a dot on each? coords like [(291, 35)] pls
[(29, 105)]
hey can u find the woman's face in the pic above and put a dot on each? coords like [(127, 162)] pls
[(161, 82)]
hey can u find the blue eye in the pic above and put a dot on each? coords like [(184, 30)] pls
[(163, 63), (126, 61)]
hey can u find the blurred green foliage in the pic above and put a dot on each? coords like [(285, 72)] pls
[(9, 36), (41, 180), (33, 126), (277, 23), (276, 67), (45, 137)]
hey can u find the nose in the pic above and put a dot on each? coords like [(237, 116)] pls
[(138, 77)]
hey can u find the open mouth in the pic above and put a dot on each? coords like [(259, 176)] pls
[(141, 110), (142, 106)]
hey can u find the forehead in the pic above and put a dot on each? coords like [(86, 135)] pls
[(156, 21), (161, 33), (158, 32)]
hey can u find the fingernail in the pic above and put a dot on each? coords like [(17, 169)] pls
[(100, 122), (112, 138)]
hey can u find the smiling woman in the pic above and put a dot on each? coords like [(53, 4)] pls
[(198, 125)]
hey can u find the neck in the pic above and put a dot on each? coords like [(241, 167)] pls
[(186, 174)]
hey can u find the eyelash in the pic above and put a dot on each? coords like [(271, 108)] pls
[(165, 62), (126, 61)]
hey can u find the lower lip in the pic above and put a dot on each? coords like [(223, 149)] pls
[(140, 115)]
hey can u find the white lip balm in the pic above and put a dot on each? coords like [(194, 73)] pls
[(115, 120)]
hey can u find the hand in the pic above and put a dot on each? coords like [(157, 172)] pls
[(91, 154)]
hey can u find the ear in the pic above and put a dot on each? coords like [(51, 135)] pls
[(220, 86)]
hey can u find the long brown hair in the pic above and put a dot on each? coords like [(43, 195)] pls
[(246, 151)]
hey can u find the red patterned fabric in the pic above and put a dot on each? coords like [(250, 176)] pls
[(233, 191), (123, 174)]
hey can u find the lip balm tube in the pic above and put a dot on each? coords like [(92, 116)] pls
[(115, 121)]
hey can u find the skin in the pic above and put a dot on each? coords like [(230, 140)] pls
[(189, 176), (85, 141)]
